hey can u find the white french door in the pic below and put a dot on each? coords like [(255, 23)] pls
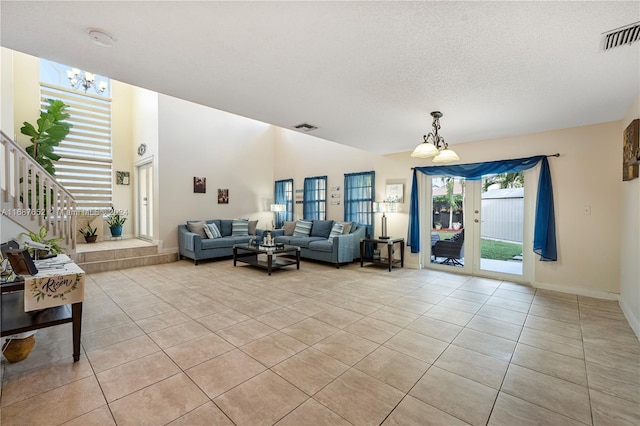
[(493, 224), (144, 202)]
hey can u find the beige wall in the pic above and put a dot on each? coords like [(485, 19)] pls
[(232, 152), (121, 137), (630, 237)]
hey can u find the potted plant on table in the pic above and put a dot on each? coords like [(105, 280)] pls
[(115, 222), (90, 233), (41, 237)]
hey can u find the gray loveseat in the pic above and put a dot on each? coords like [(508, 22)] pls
[(344, 248), (194, 244)]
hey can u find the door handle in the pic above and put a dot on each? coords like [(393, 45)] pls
[(476, 220)]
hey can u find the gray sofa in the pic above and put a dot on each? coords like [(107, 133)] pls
[(344, 248), (196, 246)]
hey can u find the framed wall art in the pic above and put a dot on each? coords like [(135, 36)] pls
[(631, 150), (395, 193), (200, 185), (122, 178), (223, 196)]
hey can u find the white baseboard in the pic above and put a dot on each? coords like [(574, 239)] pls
[(633, 321), (577, 290)]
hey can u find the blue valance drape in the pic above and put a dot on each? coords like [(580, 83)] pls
[(544, 235)]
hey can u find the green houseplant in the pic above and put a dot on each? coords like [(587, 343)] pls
[(90, 234), (115, 222), (41, 237), (52, 129)]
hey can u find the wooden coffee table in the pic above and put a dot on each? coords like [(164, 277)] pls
[(268, 258)]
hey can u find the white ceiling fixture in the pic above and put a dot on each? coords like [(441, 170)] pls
[(434, 145), (85, 79), (101, 38)]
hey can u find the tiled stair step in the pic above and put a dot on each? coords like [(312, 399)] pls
[(127, 262), (114, 254)]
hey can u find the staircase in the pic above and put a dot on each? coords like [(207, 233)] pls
[(119, 254), (33, 198), (56, 210)]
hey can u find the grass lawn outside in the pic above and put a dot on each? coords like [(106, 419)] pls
[(490, 249)]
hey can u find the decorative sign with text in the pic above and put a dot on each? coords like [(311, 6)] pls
[(55, 287)]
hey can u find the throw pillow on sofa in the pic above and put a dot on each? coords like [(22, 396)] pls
[(335, 231), (213, 229), (253, 224), (346, 227), (321, 228), (197, 227), (240, 228), (303, 229), (289, 227)]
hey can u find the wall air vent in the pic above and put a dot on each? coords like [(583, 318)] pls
[(305, 127), (621, 36)]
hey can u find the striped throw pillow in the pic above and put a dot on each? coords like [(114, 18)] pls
[(303, 228), (336, 230), (239, 228), (215, 232)]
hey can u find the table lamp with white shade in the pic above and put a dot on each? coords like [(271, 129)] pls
[(384, 207)]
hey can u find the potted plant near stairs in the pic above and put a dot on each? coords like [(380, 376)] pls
[(90, 234), (115, 223)]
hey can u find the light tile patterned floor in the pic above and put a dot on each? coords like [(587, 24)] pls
[(212, 344)]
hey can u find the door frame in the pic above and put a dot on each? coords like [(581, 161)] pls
[(472, 203), (136, 195)]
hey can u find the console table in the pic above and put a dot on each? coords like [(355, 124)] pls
[(389, 261), (15, 320)]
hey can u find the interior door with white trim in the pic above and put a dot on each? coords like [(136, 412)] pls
[(145, 201)]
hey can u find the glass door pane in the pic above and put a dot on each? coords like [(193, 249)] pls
[(448, 221), (502, 223)]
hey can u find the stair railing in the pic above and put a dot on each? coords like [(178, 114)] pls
[(31, 196)]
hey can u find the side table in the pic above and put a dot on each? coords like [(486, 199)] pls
[(390, 261)]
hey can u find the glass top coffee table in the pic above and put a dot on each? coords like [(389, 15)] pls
[(269, 258)]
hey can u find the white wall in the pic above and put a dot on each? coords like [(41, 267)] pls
[(232, 152), (630, 238)]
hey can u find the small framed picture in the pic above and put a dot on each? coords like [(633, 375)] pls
[(223, 196), (395, 193), (122, 178), (200, 185)]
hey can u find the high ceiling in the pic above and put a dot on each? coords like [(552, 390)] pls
[(368, 74)]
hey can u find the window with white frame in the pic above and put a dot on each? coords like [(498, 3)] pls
[(85, 167)]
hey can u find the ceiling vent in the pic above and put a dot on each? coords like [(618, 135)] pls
[(621, 36), (305, 127)]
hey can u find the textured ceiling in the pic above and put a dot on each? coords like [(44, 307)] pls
[(366, 73)]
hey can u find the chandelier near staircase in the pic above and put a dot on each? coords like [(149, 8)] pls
[(83, 79), (434, 145)]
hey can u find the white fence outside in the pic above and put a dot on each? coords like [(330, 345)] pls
[(503, 214)]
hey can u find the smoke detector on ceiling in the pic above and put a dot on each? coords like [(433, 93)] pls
[(621, 36), (305, 127), (100, 37)]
